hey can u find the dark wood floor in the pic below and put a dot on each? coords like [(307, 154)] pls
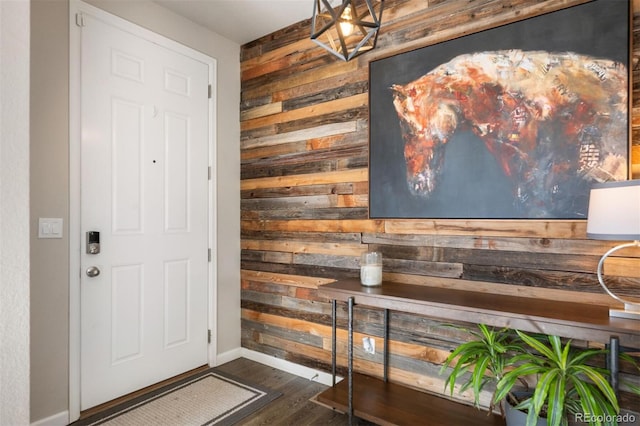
[(294, 406)]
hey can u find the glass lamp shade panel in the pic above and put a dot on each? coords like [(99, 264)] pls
[(348, 29)]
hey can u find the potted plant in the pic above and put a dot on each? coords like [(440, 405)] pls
[(482, 361), (566, 384)]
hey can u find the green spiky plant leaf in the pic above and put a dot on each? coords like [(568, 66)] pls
[(566, 383), (481, 361)]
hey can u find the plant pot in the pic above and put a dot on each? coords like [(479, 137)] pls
[(519, 418)]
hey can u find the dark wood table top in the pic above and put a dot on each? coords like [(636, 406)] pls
[(567, 319)]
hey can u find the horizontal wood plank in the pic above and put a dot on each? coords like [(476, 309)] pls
[(299, 135), (487, 228), (295, 280), (356, 101), (357, 175), (314, 225), (336, 249)]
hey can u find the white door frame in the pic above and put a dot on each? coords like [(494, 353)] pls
[(75, 245)]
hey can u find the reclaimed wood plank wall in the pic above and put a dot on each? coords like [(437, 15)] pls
[(304, 151)]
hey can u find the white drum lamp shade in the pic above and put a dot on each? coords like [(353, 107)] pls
[(614, 211)]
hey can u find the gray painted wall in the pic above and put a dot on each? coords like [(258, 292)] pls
[(50, 184)]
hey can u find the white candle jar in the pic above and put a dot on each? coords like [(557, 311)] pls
[(371, 268)]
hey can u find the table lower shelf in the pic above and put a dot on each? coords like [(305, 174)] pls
[(392, 404)]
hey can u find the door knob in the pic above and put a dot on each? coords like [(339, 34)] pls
[(93, 271)]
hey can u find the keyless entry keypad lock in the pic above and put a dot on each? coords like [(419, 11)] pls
[(93, 242)]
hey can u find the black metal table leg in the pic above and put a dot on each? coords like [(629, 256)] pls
[(613, 363), (385, 355), (350, 358), (334, 312)]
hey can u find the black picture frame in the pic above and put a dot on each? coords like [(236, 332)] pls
[(472, 184)]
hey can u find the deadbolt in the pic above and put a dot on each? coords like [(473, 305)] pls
[(93, 271), (93, 242)]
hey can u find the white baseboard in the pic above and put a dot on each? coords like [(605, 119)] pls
[(228, 356), (60, 419), (290, 367)]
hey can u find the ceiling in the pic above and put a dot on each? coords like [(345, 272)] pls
[(242, 21)]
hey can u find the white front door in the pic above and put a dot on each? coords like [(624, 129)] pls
[(144, 188)]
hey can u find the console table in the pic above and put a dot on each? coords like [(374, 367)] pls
[(386, 403)]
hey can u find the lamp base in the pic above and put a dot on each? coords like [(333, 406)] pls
[(630, 311), (631, 308)]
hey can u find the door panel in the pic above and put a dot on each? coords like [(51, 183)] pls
[(144, 187), (176, 287), (127, 313), (126, 173), (177, 173)]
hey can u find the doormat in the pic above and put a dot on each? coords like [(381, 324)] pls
[(209, 398)]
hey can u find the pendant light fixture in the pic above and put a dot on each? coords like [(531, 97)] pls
[(347, 29)]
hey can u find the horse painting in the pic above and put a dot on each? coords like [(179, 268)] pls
[(553, 122)]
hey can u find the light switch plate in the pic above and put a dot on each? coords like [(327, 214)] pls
[(50, 227)]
